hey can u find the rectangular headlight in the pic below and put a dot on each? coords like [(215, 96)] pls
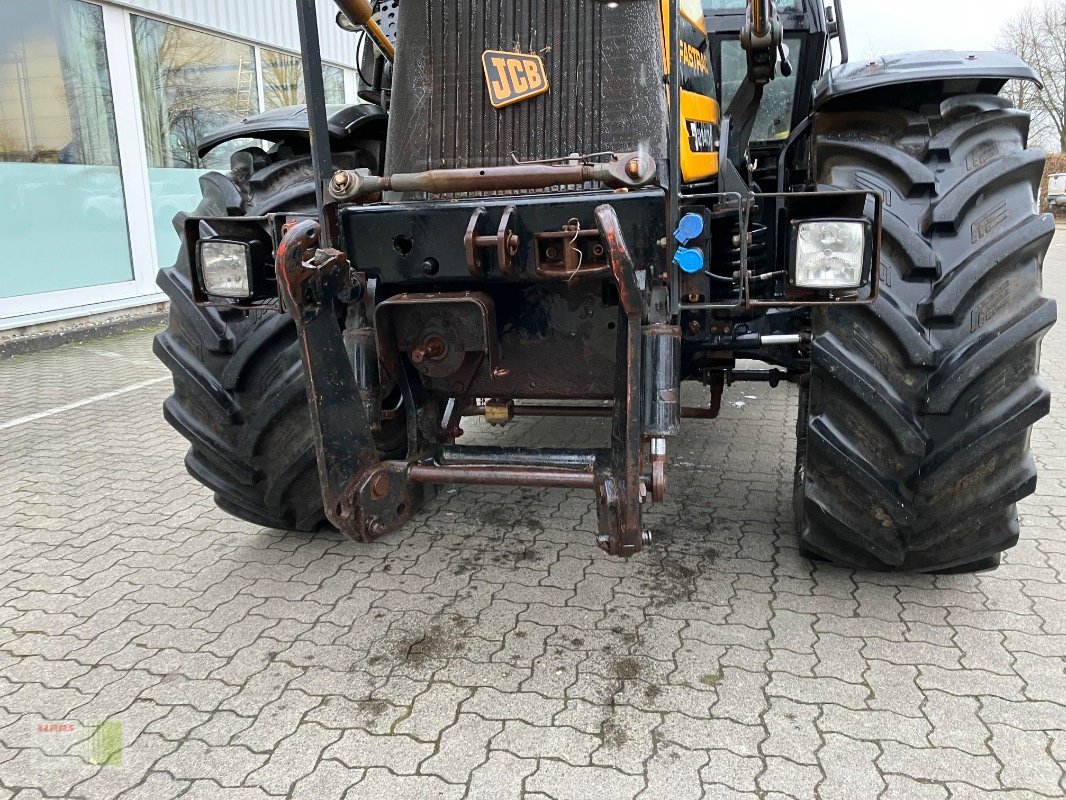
[(830, 254), (226, 268)]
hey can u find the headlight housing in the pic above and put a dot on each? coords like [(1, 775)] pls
[(831, 253), (226, 268)]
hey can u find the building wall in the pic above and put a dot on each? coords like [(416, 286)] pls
[(101, 106), (271, 22)]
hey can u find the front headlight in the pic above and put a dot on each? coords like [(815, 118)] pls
[(226, 268), (830, 254)]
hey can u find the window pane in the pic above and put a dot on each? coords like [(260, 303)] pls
[(283, 80), (334, 77), (60, 181), (775, 113), (190, 83)]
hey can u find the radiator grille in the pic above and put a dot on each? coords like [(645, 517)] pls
[(604, 65)]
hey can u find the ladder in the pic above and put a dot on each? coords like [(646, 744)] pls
[(244, 100)]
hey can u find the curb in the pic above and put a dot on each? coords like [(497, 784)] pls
[(50, 340)]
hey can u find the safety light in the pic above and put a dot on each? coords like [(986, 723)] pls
[(226, 268), (830, 254)]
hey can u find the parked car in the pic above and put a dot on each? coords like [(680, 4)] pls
[(1056, 193)]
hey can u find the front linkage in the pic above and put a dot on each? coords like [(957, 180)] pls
[(366, 497)]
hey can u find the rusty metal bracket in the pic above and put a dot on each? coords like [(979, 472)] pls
[(561, 255), (446, 335), (363, 497), (506, 243), (619, 489)]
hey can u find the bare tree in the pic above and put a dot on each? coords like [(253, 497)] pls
[(283, 77), (1038, 35)]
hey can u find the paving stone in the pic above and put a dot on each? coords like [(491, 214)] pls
[(939, 765), (293, 758), (276, 720), (525, 706), (787, 778), (501, 775), (793, 734), (956, 723), (726, 768), (227, 766), (54, 774), (970, 683), (628, 739), (329, 779), (1027, 762), (565, 782), (399, 754), (850, 769), (817, 690), (462, 748), (894, 688), (432, 712), (900, 787), (532, 741), (379, 783)]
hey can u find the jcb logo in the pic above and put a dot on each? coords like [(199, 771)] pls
[(513, 77)]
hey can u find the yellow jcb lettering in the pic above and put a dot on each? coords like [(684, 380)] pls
[(536, 80), (500, 87), (518, 80)]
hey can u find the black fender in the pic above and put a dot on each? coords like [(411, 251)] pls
[(948, 72), (364, 121)]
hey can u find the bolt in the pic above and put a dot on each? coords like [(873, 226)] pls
[(341, 179), (430, 266), (376, 527), (694, 327), (379, 486), (634, 168), (551, 254), (432, 348)]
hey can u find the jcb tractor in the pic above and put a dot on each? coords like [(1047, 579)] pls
[(574, 207)]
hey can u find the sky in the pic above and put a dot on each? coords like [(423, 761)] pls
[(881, 27)]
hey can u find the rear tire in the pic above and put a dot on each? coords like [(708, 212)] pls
[(239, 386), (914, 448)]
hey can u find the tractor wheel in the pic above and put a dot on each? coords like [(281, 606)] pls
[(914, 448), (239, 387)]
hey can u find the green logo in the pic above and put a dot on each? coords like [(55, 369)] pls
[(106, 744)]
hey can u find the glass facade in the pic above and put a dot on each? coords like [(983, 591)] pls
[(191, 83), (60, 178), (101, 109), (283, 80)]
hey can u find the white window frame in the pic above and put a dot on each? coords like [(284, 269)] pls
[(34, 309)]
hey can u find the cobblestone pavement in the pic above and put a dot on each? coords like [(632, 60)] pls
[(490, 651)]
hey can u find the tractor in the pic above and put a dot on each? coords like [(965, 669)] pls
[(573, 209)]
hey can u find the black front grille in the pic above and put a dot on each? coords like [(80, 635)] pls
[(604, 65)]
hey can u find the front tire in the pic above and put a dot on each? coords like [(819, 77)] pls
[(915, 443), (239, 385)]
